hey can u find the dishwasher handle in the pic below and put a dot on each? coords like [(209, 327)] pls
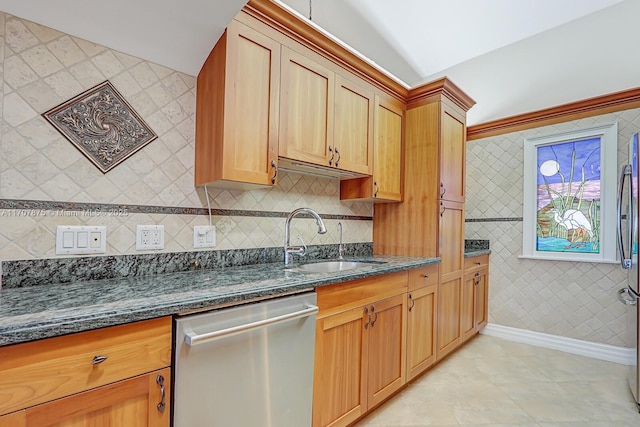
[(193, 339)]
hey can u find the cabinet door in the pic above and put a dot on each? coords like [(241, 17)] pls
[(387, 155), (449, 335), (132, 403), (387, 344), (451, 240), (452, 155), (339, 395), (237, 110), (353, 120), (306, 109), (421, 322), (469, 303), (482, 299)]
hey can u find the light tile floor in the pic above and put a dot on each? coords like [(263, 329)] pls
[(494, 382)]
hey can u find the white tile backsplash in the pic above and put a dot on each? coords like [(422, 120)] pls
[(42, 68)]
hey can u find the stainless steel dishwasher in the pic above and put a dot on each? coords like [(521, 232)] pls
[(250, 365)]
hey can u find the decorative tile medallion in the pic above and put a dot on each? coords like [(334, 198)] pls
[(102, 125)]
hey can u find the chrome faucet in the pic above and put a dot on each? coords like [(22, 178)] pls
[(340, 246), (299, 250)]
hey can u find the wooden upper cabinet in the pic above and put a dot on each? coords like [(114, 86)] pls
[(386, 184), (452, 155), (353, 121), (306, 109), (237, 110)]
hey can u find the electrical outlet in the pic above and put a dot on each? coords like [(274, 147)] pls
[(149, 237), (204, 236)]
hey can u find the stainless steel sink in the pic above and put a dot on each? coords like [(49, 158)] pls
[(333, 266)]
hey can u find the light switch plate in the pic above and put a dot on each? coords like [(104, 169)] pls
[(204, 236), (81, 239)]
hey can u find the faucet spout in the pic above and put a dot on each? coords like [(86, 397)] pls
[(300, 250)]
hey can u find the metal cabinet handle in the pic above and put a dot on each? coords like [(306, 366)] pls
[(413, 302), (426, 276), (625, 297), (443, 190), (366, 311), (375, 184), (373, 311), (192, 339), (99, 359), (478, 263), (275, 171), (442, 209), (338, 159), (160, 382), (476, 279), (331, 159)]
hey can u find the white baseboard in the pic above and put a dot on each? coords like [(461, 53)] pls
[(606, 352)]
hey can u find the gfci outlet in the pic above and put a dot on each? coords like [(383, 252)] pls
[(204, 236), (149, 237)]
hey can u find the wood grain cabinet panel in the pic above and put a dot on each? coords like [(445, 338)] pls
[(39, 371), (353, 121), (475, 301), (452, 155), (132, 403), (449, 335), (237, 110), (15, 419), (386, 184), (306, 109), (421, 332), (360, 357)]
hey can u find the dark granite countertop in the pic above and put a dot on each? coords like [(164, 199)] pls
[(37, 312)]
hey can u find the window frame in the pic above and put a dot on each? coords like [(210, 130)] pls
[(608, 135)]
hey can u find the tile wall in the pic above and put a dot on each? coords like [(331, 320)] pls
[(42, 68), (571, 299)]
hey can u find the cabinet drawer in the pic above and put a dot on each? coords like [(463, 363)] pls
[(347, 295), (40, 371), (423, 276), (476, 262)]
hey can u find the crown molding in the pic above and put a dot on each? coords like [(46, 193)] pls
[(596, 106)]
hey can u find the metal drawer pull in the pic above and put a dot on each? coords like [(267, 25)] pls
[(331, 159), (375, 184), (478, 263), (192, 339), (366, 311), (160, 381), (275, 171), (99, 359), (426, 276), (625, 297), (373, 311), (413, 302), (443, 190), (338, 159)]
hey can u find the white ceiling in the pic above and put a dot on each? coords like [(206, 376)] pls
[(511, 56)]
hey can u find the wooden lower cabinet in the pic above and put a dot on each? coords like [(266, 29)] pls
[(421, 332), (132, 403), (360, 351), (475, 296), (116, 376), (449, 335)]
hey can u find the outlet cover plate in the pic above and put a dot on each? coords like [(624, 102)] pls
[(149, 237), (204, 236)]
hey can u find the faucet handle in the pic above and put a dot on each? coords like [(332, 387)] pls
[(304, 246)]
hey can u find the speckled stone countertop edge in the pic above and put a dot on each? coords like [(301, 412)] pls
[(28, 314), (469, 253)]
